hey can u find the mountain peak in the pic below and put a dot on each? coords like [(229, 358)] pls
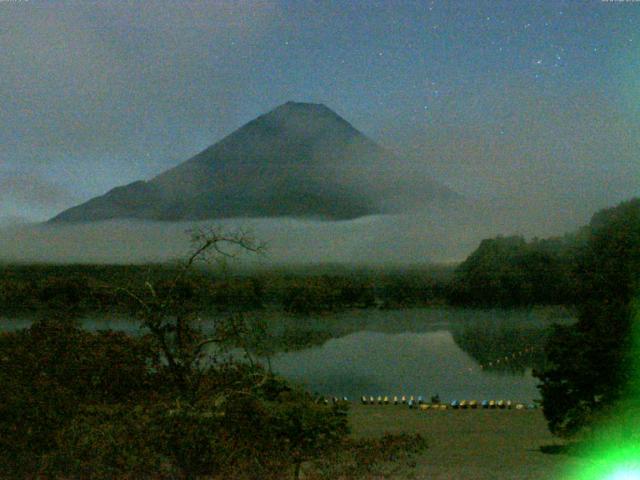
[(301, 119), (310, 105), (292, 108), (304, 106)]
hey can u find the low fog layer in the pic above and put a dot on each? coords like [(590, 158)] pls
[(443, 234)]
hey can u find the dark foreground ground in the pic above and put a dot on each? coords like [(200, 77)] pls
[(470, 444)]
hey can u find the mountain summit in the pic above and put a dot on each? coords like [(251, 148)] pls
[(300, 160)]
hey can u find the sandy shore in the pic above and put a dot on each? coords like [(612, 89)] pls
[(470, 444)]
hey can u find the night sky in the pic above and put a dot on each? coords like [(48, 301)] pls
[(535, 102)]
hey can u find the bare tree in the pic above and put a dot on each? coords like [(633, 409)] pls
[(176, 327)]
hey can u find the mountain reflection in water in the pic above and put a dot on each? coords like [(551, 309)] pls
[(418, 352)]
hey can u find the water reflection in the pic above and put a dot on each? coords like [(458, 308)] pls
[(457, 353), (452, 352), (376, 363), (504, 348)]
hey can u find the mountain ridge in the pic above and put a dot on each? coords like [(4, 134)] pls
[(299, 159)]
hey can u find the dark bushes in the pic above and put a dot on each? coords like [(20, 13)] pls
[(76, 404)]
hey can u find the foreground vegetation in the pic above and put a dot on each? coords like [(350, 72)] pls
[(104, 405)]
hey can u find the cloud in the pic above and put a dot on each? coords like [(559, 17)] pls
[(440, 234), (101, 94), (32, 190), (526, 143)]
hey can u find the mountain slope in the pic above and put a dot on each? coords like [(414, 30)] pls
[(300, 160)]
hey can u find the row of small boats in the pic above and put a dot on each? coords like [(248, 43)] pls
[(434, 404), (419, 402)]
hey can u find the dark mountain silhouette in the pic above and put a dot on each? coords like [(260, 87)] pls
[(300, 160)]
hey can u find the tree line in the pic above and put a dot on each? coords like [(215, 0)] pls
[(505, 271), (89, 288), (501, 272), (512, 272)]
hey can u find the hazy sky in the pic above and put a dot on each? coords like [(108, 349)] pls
[(538, 101)]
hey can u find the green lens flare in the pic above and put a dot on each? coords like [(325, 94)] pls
[(615, 452), (625, 474), (616, 464)]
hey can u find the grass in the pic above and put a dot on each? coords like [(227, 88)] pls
[(470, 444)]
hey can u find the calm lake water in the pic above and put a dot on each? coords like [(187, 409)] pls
[(456, 353)]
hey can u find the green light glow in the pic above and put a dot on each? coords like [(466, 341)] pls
[(625, 474), (615, 464), (615, 454)]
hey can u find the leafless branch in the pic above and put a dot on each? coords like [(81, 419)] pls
[(135, 297)]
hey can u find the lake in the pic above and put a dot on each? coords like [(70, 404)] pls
[(454, 352)]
